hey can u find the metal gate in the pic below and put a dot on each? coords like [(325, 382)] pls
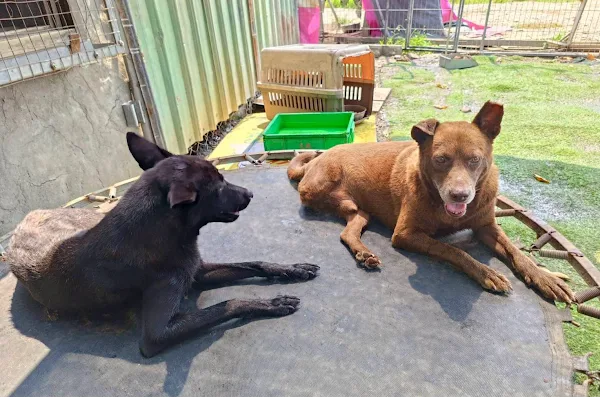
[(514, 26)]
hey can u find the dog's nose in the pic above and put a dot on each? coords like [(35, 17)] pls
[(459, 196), (249, 194)]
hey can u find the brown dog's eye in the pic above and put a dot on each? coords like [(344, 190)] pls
[(440, 159), (475, 160)]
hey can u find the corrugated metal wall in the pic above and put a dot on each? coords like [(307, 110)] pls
[(199, 58)]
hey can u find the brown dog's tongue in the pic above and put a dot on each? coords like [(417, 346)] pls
[(456, 208)]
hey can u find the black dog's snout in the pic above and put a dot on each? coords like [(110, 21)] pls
[(249, 195), (459, 196)]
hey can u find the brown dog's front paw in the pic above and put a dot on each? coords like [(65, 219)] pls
[(550, 286), (495, 281), (369, 260)]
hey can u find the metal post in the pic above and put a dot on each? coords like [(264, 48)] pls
[(387, 20), (461, 7), (254, 37), (322, 27), (139, 71), (334, 14), (449, 27), (576, 23), (487, 18), (411, 6)]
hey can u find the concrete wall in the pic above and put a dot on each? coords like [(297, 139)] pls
[(62, 136)]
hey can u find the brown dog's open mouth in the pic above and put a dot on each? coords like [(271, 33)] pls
[(456, 209)]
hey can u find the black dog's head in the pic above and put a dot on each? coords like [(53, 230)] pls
[(188, 184)]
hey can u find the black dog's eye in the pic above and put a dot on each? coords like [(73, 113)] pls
[(475, 160), (440, 159)]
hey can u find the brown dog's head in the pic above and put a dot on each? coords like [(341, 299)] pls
[(188, 184), (455, 155)]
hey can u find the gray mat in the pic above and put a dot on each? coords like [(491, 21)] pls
[(416, 328)]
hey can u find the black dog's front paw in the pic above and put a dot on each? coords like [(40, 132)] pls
[(301, 271), (280, 306), (283, 305)]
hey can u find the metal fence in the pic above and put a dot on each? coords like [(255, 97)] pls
[(43, 36), (472, 25)]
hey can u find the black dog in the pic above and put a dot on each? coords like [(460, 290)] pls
[(145, 248)]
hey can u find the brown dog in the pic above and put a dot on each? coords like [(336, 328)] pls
[(442, 183)]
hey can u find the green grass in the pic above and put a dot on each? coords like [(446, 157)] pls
[(417, 39), (551, 127)]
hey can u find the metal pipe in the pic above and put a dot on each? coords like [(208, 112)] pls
[(508, 212), (334, 14), (461, 7), (254, 36), (449, 27), (576, 23), (411, 6), (487, 18), (541, 241), (508, 53), (322, 27), (136, 92), (586, 295), (387, 19), (140, 71), (589, 311)]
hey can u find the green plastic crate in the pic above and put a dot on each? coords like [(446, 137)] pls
[(309, 130)]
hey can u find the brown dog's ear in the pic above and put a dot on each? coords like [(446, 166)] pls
[(425, 129), (489, 118), (180, 194), (145, 152)]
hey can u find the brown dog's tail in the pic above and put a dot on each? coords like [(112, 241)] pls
[(297, 166)]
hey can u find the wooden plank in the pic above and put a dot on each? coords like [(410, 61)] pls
[(377, 105), (381, 94)]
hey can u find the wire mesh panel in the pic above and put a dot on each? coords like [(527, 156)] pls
[(588, 26), (43, 36), (529, 24), (492, 25)]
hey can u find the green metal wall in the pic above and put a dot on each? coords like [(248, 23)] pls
[(199, 59)]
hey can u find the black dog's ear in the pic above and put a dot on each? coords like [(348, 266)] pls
[(425, 129), (145, 152), (489, 118), (180, 194)]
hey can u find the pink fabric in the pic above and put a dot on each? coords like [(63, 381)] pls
[(448, 14), (371, 18), (310, 23)]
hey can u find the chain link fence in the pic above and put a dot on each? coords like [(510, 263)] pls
[(515, 26), (38, 37)]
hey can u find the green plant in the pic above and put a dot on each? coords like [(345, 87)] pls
[(344, 21), (560, 36), (419, 39), (345, 4)]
